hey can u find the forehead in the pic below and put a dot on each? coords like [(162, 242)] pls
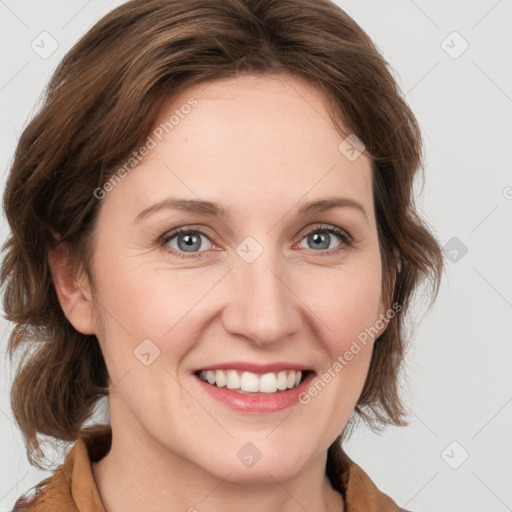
[(259, 137)]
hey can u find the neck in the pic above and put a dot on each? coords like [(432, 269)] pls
[(139, 473)]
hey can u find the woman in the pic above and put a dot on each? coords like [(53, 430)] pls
[(213, 225)]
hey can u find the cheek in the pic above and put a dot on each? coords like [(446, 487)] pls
[(135, 303), (350, 306), (352, 315), (349, 303)]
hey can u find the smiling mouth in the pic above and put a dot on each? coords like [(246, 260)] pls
[(254, 383)]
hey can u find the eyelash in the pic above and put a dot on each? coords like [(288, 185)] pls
[(345, 238)]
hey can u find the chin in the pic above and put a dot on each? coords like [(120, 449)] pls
[(249, 465), (261, 473)]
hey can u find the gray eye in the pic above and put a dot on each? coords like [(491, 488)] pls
[(320, 240), (190, 241)]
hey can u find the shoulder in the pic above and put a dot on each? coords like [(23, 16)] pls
[(55, 492), (30, 499), (359, 492), (49, 493), (363, 492)]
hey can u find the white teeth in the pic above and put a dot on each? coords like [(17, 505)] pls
[(249, 382), (220, 378), (268, 383), (252, 382), (282, 380), (232, 380)]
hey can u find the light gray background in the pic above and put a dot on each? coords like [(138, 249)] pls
[(458, 384)]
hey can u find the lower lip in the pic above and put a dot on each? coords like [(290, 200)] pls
[(261, 402)]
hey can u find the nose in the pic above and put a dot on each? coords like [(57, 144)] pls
[(262, 306)]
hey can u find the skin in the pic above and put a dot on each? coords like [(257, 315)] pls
[(259, 146)]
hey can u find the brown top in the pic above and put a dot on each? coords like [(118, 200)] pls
[(72, 487)]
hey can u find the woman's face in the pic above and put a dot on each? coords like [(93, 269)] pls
[(268, 287)]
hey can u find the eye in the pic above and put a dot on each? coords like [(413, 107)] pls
[(326, 239), (183, 241), (190, 242)]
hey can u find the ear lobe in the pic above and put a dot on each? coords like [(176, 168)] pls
[(73, 289)]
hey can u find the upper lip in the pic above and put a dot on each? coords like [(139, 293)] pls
[(254, 367)]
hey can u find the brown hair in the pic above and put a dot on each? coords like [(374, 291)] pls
[(102, 102)]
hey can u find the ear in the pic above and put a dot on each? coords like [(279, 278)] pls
[(73, 289)]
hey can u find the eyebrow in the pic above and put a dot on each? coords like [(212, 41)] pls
[(215, 210)]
